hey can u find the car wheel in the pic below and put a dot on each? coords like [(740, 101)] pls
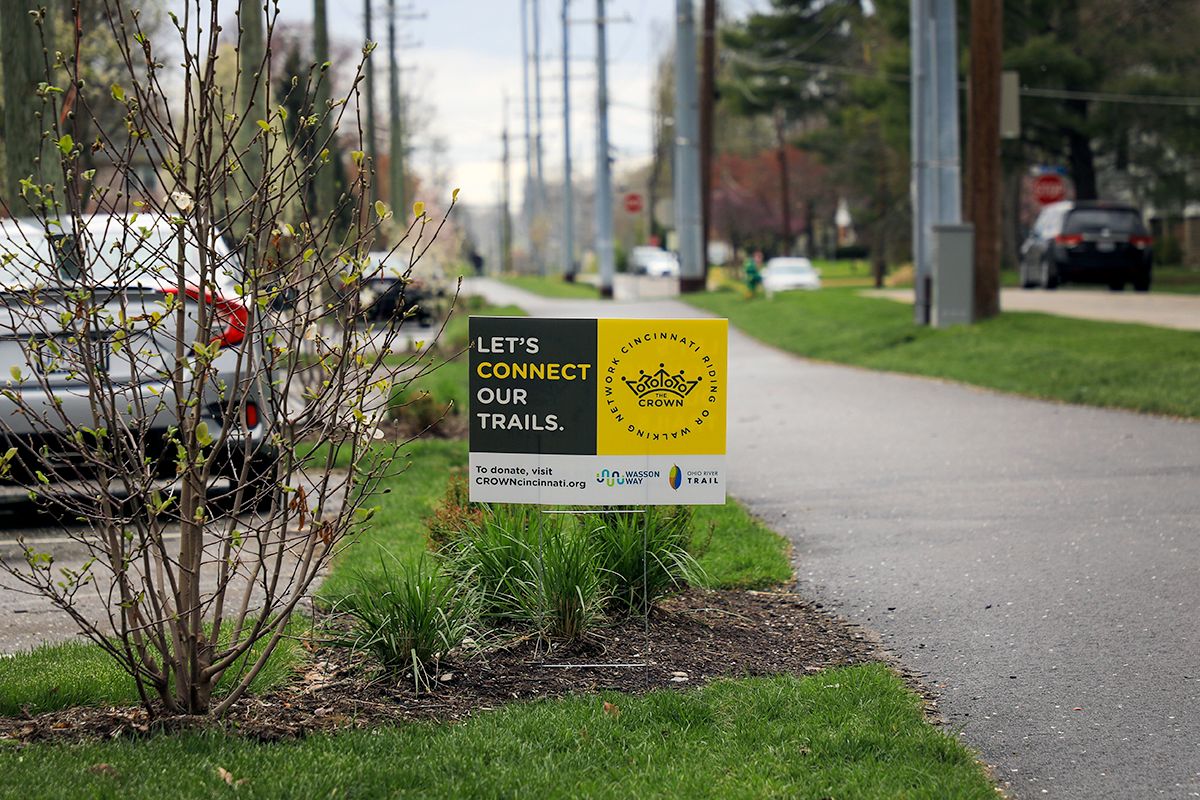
[(1049, 275), (1027, 282)]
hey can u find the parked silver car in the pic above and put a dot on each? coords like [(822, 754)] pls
[(92, 344)]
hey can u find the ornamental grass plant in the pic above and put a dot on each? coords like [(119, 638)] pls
[(643, 557), (410, 614)]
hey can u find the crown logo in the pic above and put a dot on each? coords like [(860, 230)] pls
[(661, 381)]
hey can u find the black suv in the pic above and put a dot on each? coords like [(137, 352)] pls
[(1087, 242)]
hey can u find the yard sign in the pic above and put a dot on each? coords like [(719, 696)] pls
[(598, 412)]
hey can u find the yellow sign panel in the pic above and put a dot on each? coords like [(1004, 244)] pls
[(661, 386)]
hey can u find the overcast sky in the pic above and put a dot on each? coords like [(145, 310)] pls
[(468, 58)]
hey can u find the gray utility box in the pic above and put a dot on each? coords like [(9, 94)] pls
[(953, 275)]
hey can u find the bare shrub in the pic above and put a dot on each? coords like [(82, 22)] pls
[(178, 319)]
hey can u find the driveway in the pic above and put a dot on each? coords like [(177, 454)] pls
[(1180, 311), (1038, 563)]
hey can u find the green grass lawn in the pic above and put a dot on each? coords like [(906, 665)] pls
[(1077, 361), (847, 733), (1176, 280), (1167, 280), (57, 676), (551, 286), (850, 733)]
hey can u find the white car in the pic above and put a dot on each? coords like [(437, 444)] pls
[(653, 261), (785, 274)]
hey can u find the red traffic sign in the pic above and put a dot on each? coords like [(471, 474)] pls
[(1049, 188), (633, 203)]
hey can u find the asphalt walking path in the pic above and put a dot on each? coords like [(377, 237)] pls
[(1038, 563)]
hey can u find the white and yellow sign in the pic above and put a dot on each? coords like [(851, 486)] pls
[(600, 412)]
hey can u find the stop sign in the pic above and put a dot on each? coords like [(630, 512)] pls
[(1049, 188), (633, 203)]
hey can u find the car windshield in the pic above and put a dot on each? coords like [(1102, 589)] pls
[(1095, 220), (118, 251), (790, 268)]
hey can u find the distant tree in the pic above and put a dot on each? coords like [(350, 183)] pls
[(1129, 48), (777, 71), (28, 36), (747, 207)]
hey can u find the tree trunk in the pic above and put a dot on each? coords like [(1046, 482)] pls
[(252, 88), (22, 60), (810, 230), (879, 239), (1083, 166), (326, 188), (785, 194)]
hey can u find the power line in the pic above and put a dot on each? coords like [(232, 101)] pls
[(1025, 91)]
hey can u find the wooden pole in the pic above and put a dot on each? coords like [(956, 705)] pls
[(983, 153)]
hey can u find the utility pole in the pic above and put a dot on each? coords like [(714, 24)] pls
[(983, 153), (922, 194), (568, 237), (945, 87), (604, 213), (326, 185), (708, 97), (540, 197), (505, 217), (937, 195), (527, 202), (395, 123), (372, 149), (396, 146), (688, 213), (251, 95)]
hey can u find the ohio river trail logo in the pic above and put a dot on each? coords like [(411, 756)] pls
[(661, 389), (675, 477)]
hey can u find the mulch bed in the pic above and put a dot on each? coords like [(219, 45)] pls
[(690, 640)]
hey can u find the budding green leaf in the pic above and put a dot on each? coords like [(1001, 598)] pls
[(15, 372), (454, 196), (203, 437), (381, 208), (357, 157), (418, 209), (66, 144), (118, 93)]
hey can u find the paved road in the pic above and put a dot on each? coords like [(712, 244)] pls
[(27, 620), (1180, 311), (1039, 563)]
